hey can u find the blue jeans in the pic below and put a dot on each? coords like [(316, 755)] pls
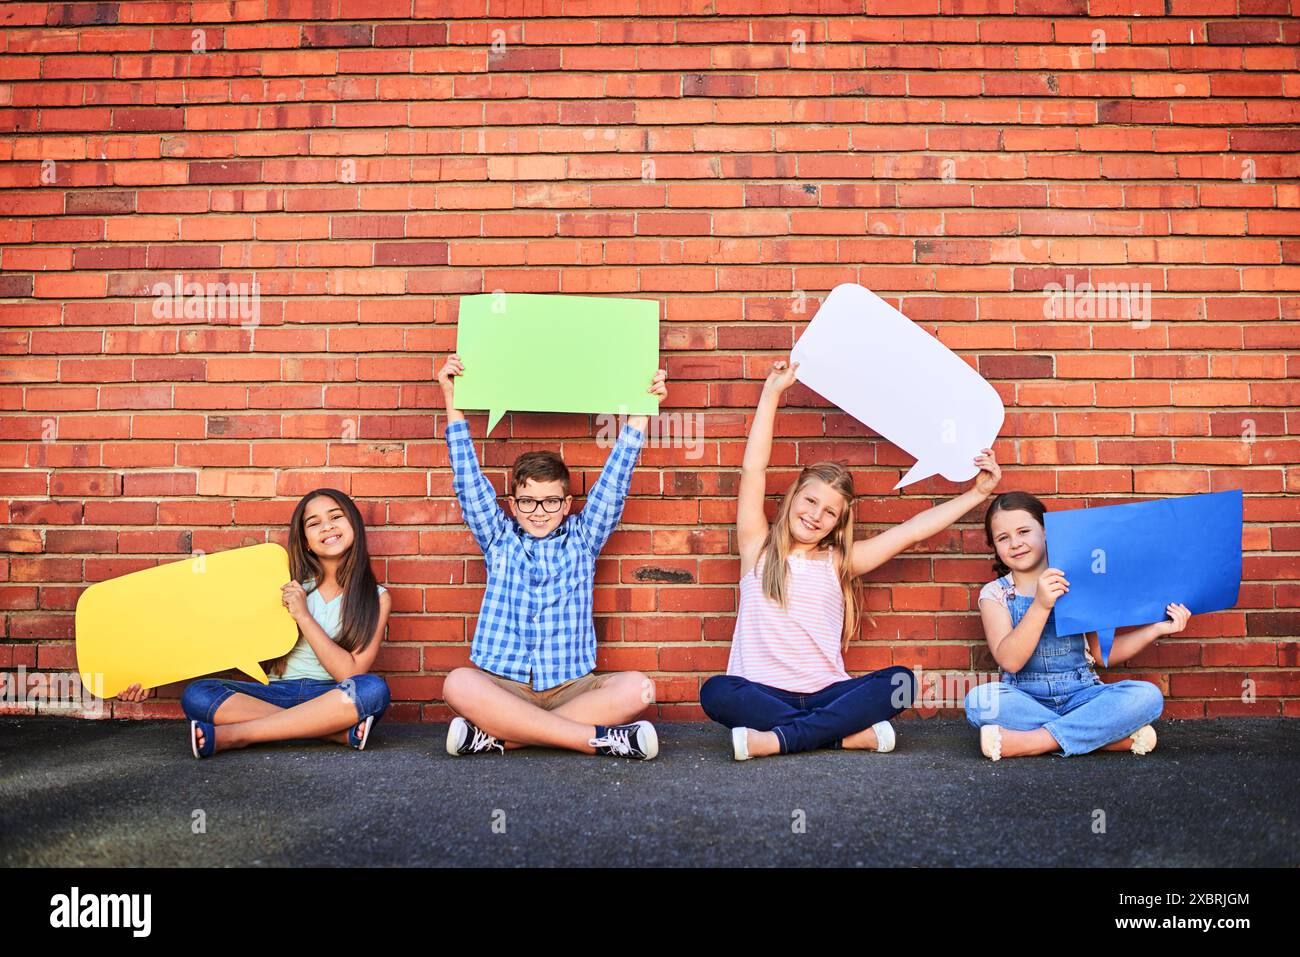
[(202, 698), (1079, 711), (818, 719)]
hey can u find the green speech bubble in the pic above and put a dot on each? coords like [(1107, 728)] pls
[(530, 353)]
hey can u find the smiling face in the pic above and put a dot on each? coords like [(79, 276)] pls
[(1018, 539), (326, 527), (539, 523), (815, 512)]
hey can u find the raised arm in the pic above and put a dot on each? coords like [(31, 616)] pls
[(446, 378), (871, 553), (751, 521), (599, 516), (478, 499), (659, 387)]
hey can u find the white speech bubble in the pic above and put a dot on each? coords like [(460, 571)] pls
[(894, 377)]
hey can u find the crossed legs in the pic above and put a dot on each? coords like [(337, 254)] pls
[(518, 723)]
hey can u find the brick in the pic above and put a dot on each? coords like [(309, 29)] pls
[(369, 171)]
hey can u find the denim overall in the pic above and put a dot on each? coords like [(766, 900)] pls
[(1058, 689), (1060, 665)]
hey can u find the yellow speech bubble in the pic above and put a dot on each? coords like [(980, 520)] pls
[(184, 619)]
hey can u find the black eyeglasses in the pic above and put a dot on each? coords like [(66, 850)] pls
[(529, 505)]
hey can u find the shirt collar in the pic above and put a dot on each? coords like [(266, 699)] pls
[(556, 533)]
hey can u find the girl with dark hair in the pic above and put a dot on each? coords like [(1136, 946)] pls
[(786, 689), (322, 688), (1050, 697)]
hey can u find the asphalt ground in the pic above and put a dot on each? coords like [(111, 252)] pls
[(1222, 793)]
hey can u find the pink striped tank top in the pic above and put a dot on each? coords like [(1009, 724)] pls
[(796, 648)]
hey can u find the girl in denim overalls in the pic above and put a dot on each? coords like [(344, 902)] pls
[(1050, 698)]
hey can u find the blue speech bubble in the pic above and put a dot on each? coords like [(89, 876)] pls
[(1125, 563)]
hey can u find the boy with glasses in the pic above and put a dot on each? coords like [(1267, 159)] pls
[(535, 643)]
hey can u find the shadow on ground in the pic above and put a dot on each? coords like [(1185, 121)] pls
[(1214, 793)]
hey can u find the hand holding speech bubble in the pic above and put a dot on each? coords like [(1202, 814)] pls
[(1125, 563), (185, 619), (531, 353), (894, 377)]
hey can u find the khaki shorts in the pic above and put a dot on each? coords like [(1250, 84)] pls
[(552, 698)]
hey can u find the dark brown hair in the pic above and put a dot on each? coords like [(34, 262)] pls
[(360, 612), (1010, 502), (539, 467)]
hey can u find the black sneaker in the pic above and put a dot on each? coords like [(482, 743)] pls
[(464, 738), (636, 740)]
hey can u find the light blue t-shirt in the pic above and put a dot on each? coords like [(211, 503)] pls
[(302, 661)]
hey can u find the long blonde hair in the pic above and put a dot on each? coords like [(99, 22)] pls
[(776, 549)]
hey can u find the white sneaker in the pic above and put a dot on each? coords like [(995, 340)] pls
[(740, 744), (1144, 739), (464, 738), (885, 736), (991, 741)]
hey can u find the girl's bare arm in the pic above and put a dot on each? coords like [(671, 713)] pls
[(1012, 647), (1130, 643), (338, 661), (751, 522), (870, 553)]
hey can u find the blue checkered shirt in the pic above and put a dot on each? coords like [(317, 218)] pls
[(535, 623)]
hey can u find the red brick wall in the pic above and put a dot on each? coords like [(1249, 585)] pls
[(954, 155)]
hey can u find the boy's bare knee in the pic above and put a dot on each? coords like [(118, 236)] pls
[(458, 688), (638, 689)]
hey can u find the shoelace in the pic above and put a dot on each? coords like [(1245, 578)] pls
[(485, 742), (616, 740)]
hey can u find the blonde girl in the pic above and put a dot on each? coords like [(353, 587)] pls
[(786, 689)]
